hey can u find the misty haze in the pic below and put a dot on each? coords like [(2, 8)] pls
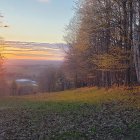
[(69, 70)]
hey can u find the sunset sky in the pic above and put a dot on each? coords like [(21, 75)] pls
[(36, 20), (42, 21), (33, 50)]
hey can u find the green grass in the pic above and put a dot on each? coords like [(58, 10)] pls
[(72, 99)]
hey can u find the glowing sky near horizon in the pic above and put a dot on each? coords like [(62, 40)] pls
[(33, 51), (36, 20)]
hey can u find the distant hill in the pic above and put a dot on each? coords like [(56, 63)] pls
[(31, 69), (17, 67)]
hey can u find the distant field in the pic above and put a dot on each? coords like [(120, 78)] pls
[(16, 69), (86, 113)]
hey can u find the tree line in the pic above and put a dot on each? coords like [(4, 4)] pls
[(3, 83), (104, 43)]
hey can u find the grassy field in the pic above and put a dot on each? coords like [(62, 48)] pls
[(86, 113)]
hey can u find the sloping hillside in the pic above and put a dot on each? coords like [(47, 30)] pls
[(86, 113)]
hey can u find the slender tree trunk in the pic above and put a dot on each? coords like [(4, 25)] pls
[(136, 46)]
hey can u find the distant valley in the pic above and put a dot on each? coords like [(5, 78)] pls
[(29, 59)]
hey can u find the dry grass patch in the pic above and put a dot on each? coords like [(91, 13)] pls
[(90, 95)]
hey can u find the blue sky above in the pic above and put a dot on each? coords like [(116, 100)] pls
[(36, 20)]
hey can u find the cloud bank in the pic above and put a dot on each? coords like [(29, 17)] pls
[(33, 50)]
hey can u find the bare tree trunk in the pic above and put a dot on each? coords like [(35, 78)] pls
[(136, 46)]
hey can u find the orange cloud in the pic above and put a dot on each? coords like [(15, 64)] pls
[(32, 51)]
